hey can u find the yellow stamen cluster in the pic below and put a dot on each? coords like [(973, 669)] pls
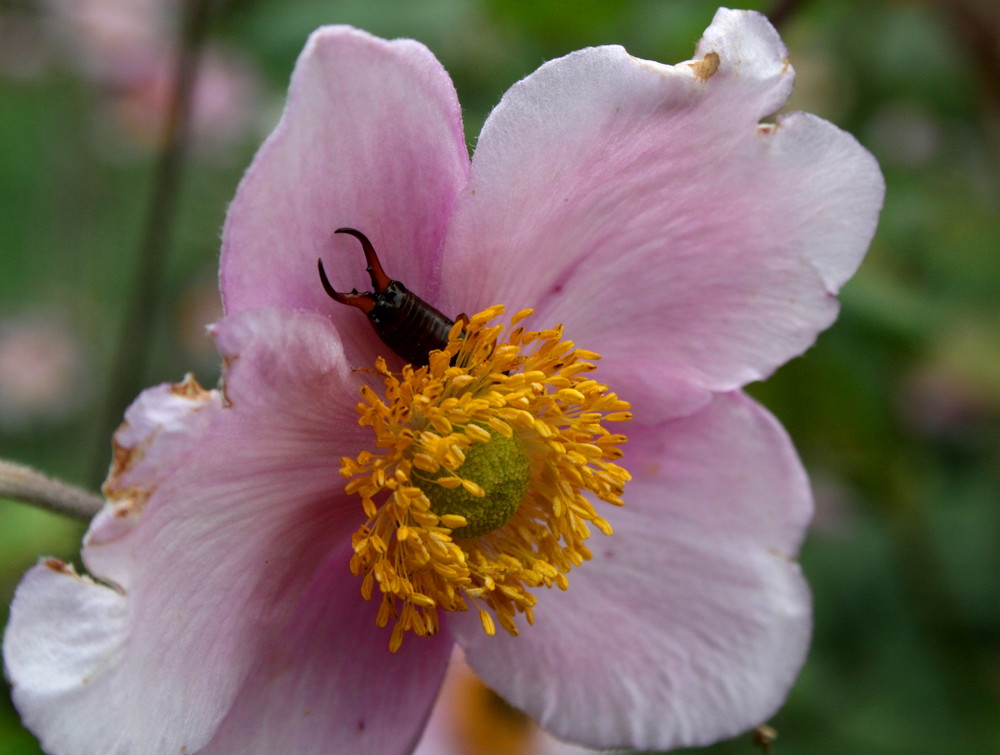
[(528, 386)]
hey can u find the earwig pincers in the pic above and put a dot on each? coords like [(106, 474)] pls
[(407, 324)]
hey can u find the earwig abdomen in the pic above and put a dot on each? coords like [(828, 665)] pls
[(404, 322), (408, 325)]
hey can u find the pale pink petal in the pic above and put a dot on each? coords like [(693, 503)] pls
[(328, 683), (647, 208), (62, 640), (371, 139), (692, 620), (221, 512), (289, 399)]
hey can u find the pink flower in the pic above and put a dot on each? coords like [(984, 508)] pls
[(43, 369), (125, 48), (645, 209)]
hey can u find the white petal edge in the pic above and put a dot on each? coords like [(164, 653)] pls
[(220, 514)]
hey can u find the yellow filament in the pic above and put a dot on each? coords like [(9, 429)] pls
[(528, 385)]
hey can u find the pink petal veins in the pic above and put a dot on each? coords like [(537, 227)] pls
[(372, 139), (222, 513), (328, 683), (693, 618), (646, 208)]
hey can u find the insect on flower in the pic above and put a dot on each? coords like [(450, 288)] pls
[(407, 324), (287, 562)]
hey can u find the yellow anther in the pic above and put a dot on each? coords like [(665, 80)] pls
[(474, 485), (488, 626)]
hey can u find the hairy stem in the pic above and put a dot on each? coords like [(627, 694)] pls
[(21, 483)]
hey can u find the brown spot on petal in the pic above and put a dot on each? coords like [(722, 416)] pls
[(59, 566), (780, 554), (129, 499), (126, 502), (705, 68), (189, 388), (123, 458)]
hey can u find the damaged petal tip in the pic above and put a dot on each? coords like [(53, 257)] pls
[(188, 388), (58, 566), (121, 459), (705, 68), (130, 502)]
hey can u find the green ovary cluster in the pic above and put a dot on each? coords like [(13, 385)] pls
[(500, 467)]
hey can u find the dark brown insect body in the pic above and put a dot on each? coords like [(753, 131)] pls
[(407, 324)]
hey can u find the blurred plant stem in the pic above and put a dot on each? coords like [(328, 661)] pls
[(21, 483), (128, 370), (977, 27), (781, 11)]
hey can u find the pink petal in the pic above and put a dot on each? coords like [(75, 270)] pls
[(62, 641), (221, 513), (289, 399), (371, 139), (328, 683), (692, 620), (646, 208)]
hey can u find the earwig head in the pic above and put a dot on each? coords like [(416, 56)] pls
[(380, 281)]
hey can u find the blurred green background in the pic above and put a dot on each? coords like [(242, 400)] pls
[(896, 410)]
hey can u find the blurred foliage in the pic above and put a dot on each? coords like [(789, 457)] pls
[(896, 410)]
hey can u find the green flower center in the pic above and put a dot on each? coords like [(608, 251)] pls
[(500, 467)]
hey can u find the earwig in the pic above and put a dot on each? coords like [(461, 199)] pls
[(407, 324)]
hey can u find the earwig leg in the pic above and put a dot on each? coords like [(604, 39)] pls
[(364, 302), (380, 281)]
